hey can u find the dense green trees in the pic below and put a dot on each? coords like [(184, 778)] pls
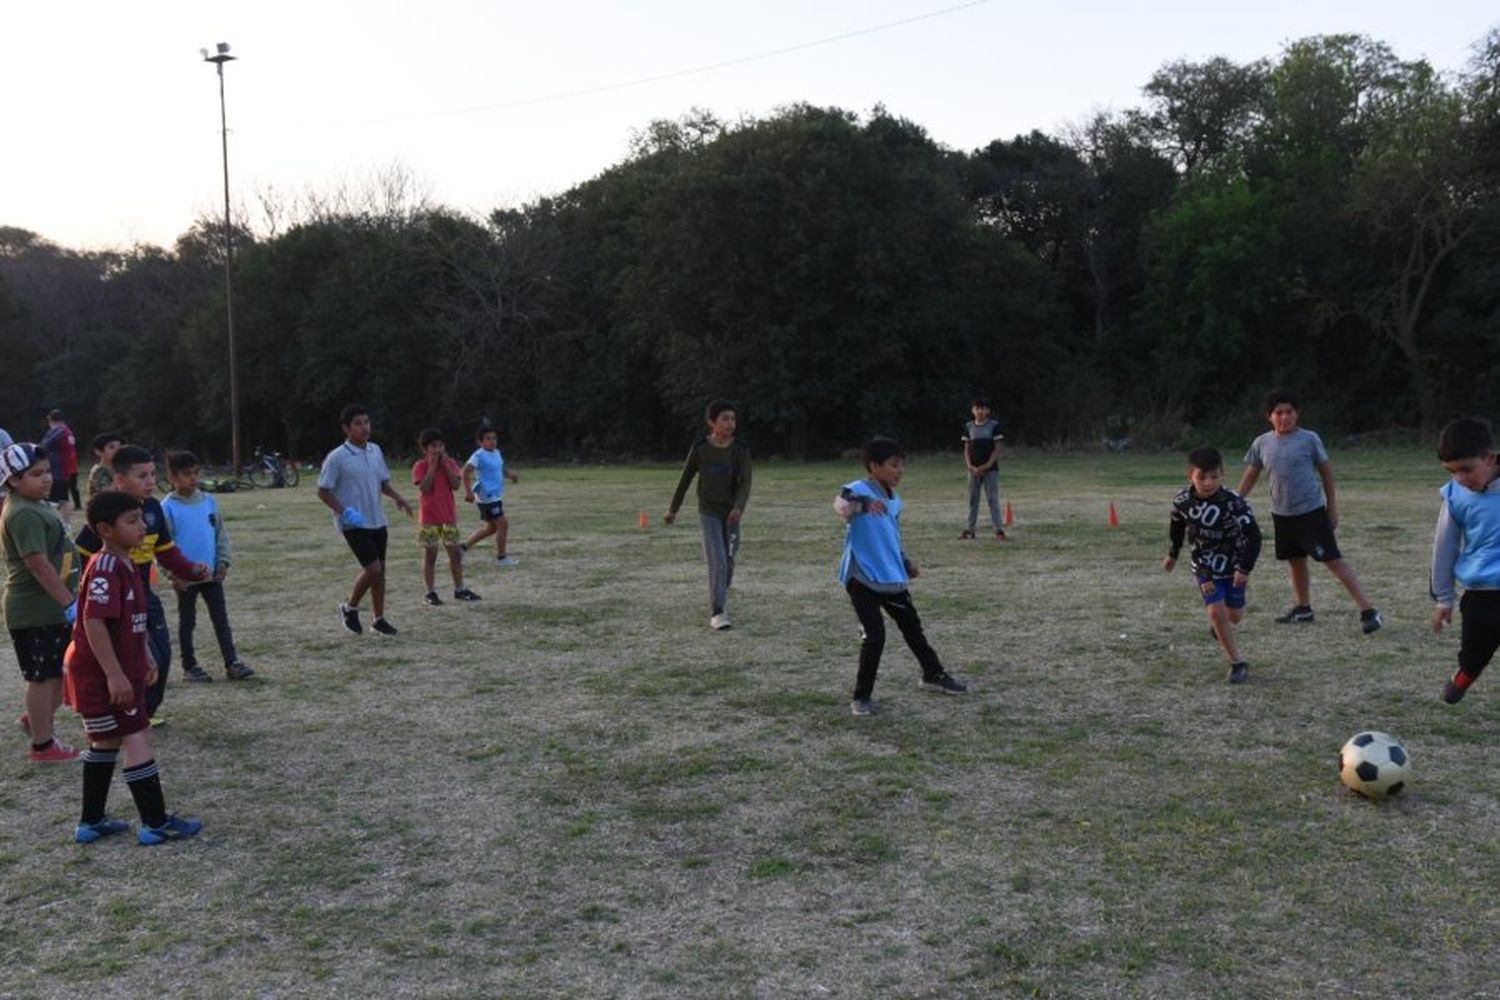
[(1326, 219)]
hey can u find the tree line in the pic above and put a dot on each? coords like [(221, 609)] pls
[(1325, 219)]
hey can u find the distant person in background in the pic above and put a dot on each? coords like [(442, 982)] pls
[(62, 450), (722, 465), (102, 475), (353, 478), (982, 440)]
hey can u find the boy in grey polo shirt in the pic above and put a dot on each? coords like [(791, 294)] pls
[(353, 477), (1303, 508)]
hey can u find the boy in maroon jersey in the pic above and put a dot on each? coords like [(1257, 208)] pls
[(109, 670)]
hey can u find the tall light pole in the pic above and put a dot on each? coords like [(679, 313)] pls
[(219, 58)]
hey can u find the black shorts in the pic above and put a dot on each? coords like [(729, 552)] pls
[(1301, 535), (367, 544), (40, 651), (492, 511), (60, 486)]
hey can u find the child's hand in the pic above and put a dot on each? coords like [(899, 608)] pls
[(403, 506), (468, 496), (875, 507), (734, 517), (151, 675), (1168, 563), (668, 517), (221, 573), (120, 691), (1241, 579), (201, 571), (1441, 617), (912, 570)]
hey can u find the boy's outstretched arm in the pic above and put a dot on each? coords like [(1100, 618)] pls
[(1248, 480)]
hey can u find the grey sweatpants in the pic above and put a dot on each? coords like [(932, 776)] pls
[(721, 542), (991, 483)]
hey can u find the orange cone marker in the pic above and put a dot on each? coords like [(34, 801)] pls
[(1010, 515), (645, 521), (1114, 515)]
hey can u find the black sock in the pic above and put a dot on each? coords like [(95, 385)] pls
[(98, 771), (144, 782)]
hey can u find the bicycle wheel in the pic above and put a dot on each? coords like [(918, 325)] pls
[(289, 470), (260, 476)]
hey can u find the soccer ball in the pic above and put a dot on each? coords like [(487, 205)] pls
[(1375, 765)]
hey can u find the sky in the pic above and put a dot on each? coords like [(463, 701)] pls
[(111, 118)]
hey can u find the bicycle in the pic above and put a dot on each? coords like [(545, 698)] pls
[(271, 471)]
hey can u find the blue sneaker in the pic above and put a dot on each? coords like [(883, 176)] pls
[(87, 833), (175, 828)]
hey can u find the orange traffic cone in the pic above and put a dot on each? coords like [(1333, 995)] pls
[(645, 521), (1114, 515), (1010, 515)]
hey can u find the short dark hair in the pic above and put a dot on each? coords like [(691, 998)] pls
[(106, 506), (1466, 437), (485, 428), (102, 441), (980, 401), (1276, 397), (55, 415), (717, 407), (348, 413), (1205, 459), (130, 455), (428, 436), (180, 461), (879, 450)]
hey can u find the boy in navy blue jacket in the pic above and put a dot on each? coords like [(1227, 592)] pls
[(875, 572)]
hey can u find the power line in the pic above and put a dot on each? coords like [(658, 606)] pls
[(658, 77)]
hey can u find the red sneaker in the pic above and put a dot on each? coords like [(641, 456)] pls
[(55, 753)]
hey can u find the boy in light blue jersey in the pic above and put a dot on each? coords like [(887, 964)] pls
[(484, 486), (1303, 508), (1466, 548), (875, 572), (198, 527)]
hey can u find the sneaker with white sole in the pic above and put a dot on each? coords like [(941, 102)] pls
[(52, 753), (1370, 620), (349, 617), (465, 594), (862, 707), (432, 599), (1299, 614), (239, 670), (507, 561), (720, 622)]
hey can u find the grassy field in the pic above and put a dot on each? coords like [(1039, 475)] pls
[(574, 788)]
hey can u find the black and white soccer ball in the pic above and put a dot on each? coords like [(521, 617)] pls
[(1375, 765)]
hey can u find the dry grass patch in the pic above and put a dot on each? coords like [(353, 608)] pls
[(574, 788)]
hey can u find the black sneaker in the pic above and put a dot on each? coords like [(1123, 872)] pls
[(432, 599), (1370, 620), (383, 627), (966, 535), (350, 618), (193, 672), (1239, 672), (1297, 615), (239, 671), (1456, 687), (465, 594), (944, 684), (999, 534)]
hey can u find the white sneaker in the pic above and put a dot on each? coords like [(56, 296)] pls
[(720, 622), (507, 561)]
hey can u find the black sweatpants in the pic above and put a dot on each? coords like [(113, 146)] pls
[(212, 593), (1479, 634), (868, 605)]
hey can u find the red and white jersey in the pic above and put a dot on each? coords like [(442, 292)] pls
[(111, 591)]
